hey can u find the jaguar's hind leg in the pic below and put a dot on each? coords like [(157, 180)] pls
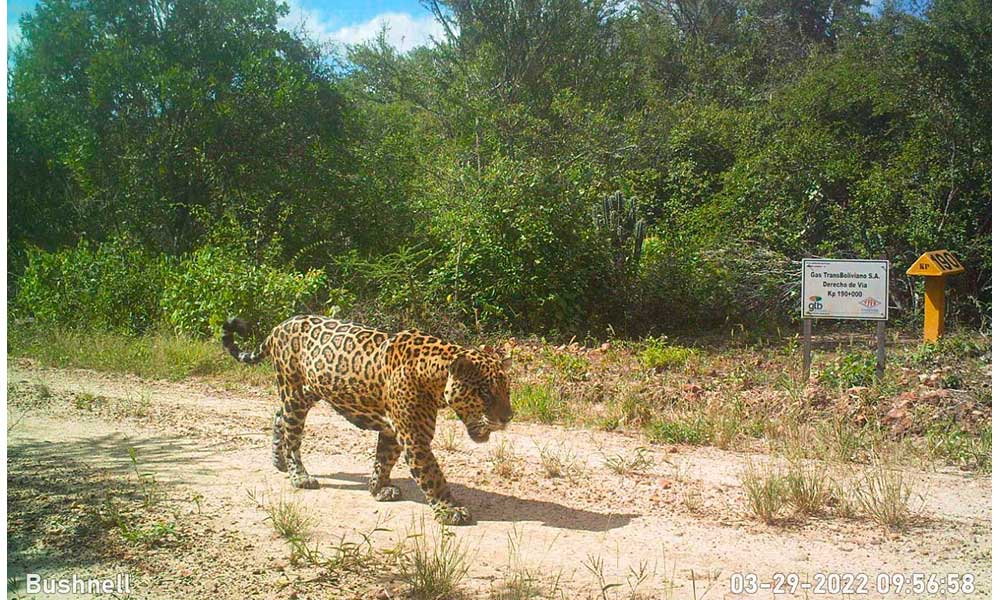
[(295, 407), (278, 442), (386, 454)]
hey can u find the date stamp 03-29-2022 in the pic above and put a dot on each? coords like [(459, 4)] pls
[(844, 584)]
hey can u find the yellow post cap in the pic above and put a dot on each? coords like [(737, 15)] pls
[(935, 264)]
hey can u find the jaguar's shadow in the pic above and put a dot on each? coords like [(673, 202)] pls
[(489, 506)]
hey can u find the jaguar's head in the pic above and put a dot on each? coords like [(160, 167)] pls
[(479, 392)]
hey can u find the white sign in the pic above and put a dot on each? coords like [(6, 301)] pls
[(845, 289)]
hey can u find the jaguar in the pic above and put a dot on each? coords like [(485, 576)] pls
[(394, 384)]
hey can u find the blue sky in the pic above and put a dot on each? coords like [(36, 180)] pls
[(341, 21)]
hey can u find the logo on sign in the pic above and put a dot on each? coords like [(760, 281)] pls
[(815, 303), (870, 302)]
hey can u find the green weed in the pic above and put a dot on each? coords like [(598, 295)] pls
[(539, 402), (684, 429), (289, 518), (850, 370), (570, 366), (637, 461), (147, 481), (657, 354), (345, 555), (433, 568), (972, 451)]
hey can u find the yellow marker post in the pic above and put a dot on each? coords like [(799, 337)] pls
[(934, 266)]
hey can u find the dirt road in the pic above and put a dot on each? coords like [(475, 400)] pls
[(678, 513)]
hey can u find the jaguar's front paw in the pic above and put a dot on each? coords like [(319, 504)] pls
[(305, 482), (387, 493), (451, 515)]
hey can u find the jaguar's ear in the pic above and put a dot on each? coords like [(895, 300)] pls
[(507, 360), (462, 367)]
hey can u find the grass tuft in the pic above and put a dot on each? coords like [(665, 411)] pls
[(808, 488), (683, 429), (637, 461), (433, 568), (883, 494), (504, 460), (559, 462), (766, 491), (449, 439), (520, 582), (538, 402), (288, 517)]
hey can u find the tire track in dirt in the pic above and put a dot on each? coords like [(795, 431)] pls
[(680, 514)]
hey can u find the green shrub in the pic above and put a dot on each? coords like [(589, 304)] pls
[(537, 402), (658, 355), (116, 286), (568, 365), (968, 450), (690, 281), (213, 283), (694, 430), (110, 286), (850, 370)]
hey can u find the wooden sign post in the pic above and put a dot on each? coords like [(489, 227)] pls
[(934, 266), (844, 289)]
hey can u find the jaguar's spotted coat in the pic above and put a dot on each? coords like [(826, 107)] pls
[(394, 384)]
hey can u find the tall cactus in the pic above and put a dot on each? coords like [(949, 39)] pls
[(618, 219)]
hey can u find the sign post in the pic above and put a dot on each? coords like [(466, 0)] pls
[(844, 289), (934, 266)]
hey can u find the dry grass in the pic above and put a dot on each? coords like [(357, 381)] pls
[(883, 494), (520, 581), (808, 488), (433, 567), (693, 498), (448, 438), (559, 462), (766, 491), (504, 460), (289, 518), (638, 461)]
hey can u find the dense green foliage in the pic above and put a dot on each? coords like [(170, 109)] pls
[(118, 287), (110, 286), (170, 162)]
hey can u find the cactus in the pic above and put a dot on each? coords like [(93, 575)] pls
[(618, 219)]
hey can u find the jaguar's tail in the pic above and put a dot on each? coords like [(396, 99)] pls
[(237, 325)]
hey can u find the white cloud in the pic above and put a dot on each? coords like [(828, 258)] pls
[(404, 31), (13, 34)]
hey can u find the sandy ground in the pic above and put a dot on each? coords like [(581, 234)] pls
[(681, 516)]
